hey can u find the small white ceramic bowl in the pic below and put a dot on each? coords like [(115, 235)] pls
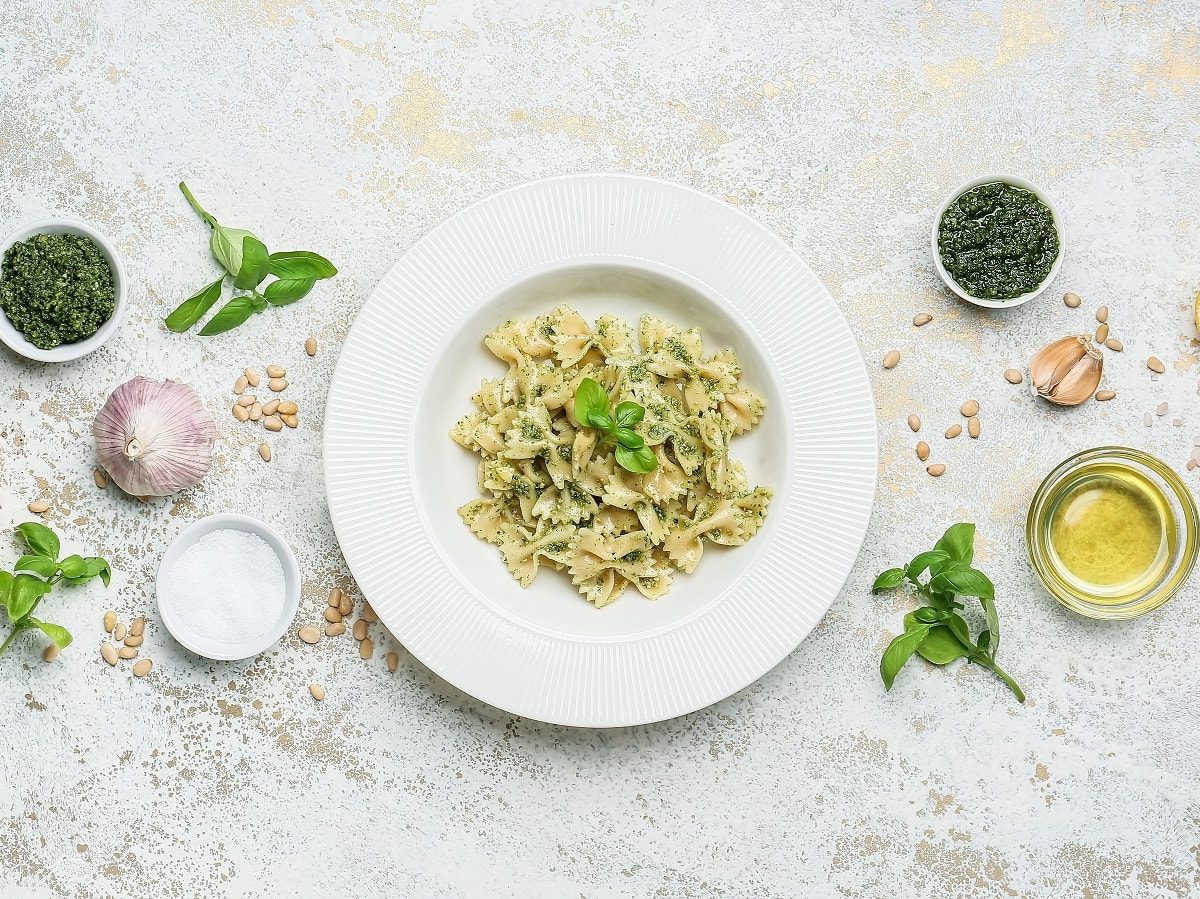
[(67, 351), (219, 649), (1015, 181)]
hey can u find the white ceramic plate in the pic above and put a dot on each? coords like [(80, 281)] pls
[(603, 243)]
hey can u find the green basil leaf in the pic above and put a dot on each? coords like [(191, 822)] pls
[(639, 461), (6, 586), (259, 303), (229, 317), (254, 263), (56, 632), (958, 542), (888, 580), (964, 582), (958, 626), (628, 439), (590, 399), (993, 623), (600, 420), (73, 567), (917, 566), (26, 591), (298, 265), (929, 615), (941, 647), (97, 567), (193, 309), (43, 566), (282, 292), (39, 538), (226, 245), (899, 651), (629, 414)]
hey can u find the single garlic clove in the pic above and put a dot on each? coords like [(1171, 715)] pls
[(154, 437), (1067, 371)]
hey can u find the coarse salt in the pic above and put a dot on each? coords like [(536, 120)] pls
[(228, 586)]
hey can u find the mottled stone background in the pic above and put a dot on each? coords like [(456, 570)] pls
[(354, 127)]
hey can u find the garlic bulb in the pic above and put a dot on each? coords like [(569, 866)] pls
[(1067, 371), (154, 437)]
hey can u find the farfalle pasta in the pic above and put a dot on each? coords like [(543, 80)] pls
[(554, 494)]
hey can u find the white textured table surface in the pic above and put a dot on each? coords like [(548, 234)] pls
[(352, 129)]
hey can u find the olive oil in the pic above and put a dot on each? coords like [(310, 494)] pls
[(1112, 532)]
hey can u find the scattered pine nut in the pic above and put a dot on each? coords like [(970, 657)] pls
[(247, 400), (969, 408), (345, 604), (110, 621), (271, 408), (273, 423), (1161, 410), (241, 384), (1013, 376), (119, 632), (108, 652), (892, 359), (256, 412), (142, 668), (310, 346), (287, 407), (335, 596), (914, 423), (1102, 333), (1155, 365), (332, 615), (1072, 299), (393, 661), (277, 384), (292, 421), (368, 613), (366, 648), (241, 413), (953, 431), (100, 478), (50, 653), (317, 691), (309, 634), (134, 640), (1103, 395), (251, 376), (38, 507), (276, 371), (923, 451), (360, 629), (1115, 345), (936, 471), (264, 450), (336, 629), (138, 626), (1102, 315), (973, 427), (922, 319), (128, 652), (1191, 464)]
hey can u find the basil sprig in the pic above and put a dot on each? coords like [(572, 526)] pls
[(36, 574), (246, 258), (935, 630), (617, 426)]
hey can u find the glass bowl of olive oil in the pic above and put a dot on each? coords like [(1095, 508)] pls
[(1112, 532)]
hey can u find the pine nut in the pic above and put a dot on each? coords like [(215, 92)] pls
[(1072, 299), (134, 640), (241, 413), (138, 626), (922, 319), (360, 629), (241, 384), (1104, 395), (287, 407), (247, 400), (110, 621), (1153, 363), (335, 629), (317, 691), (309, 634), (1102, 333), (335, 596), (973, 427), (119, 632), (256, 412), (345, 604), (969, 408), (264, 450), (276, 371), (273, 423), (50, 653), (108, 652), (914, 423), (271, 407), (923, 451), (366, 648), (1115, 345), (368, 613), (1102, 314), (936, 471), (38, 506), (1013, 376), (277, 384), (953, 431), (128, 652), (892, 359), (142, 668), (310, 346), (251, 376), (100, 478), (332, 615), (393, 661), (292, 421)]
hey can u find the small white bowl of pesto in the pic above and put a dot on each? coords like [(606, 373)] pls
[(62, 290), (997, 241)]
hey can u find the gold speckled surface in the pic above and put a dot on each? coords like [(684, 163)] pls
[(352, 128)]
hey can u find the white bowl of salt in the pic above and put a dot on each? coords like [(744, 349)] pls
[(228, 587)]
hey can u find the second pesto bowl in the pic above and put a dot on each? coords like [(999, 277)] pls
[(1015, 181), (65, 352)]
